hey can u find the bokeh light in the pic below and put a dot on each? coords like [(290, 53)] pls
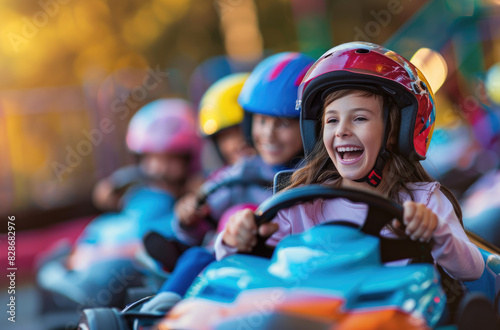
[(432, 65), (492, 83)]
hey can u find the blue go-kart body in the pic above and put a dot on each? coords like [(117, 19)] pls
[(102, 267), (336, 266), (330, 277)]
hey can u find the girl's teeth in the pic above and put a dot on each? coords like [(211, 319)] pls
[(346, 149)]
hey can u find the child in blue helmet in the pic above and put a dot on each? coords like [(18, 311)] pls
[(272, 126)]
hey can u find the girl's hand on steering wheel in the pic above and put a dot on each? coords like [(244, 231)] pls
[(420, 221), (241, 231)]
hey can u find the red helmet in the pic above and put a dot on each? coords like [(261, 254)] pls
[(367, 66)]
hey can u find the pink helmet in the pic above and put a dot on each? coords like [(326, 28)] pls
[(165, 125)]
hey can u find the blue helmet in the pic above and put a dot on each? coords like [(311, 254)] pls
[(271, 88)]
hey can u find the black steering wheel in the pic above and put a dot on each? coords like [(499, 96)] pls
[(381, 212), (156, 244), (210, 187)]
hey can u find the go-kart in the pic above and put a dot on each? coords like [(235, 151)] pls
[(101, 267), (481, 208), (329, 277), (108, 266), (460, 168)]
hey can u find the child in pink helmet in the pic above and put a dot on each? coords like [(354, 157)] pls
[(163, 136)]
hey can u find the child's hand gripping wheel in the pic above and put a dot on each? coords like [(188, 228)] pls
[(381, 212)]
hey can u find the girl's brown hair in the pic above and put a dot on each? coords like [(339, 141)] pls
[(398, 171)]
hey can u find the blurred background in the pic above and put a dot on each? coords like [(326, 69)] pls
[(72, 74)]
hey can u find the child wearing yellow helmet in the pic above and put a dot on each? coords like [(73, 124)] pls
[(220, 118)]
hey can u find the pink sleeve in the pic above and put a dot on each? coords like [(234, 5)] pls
[(222, 250), (285, 227), (451, 247)]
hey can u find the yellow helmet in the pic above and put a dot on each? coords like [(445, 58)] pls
[(219, 106)]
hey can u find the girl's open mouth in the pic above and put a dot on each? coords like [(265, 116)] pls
[(349, 155)]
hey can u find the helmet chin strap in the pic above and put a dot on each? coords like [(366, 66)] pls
[(374, 178)]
